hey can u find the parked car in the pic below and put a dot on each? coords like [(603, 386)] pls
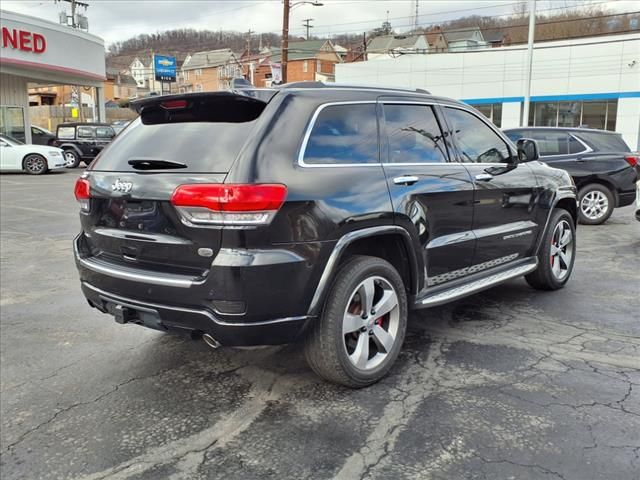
[(600, 163), (82, 142), (638, 200), (322, 215), (120, 125), (39, 136), (33, 159)]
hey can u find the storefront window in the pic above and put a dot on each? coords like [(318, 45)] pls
[(493, 111), (569, 114), (12, 121), (594, 114), (597, 114)]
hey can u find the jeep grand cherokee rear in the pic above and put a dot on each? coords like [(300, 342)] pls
[(316, 214)]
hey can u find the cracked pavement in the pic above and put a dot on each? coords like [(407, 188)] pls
[(509, 383)]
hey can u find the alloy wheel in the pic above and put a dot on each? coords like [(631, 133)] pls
[(594, 204), (371, 322), (35, 164), (561, 250), (69, 157)]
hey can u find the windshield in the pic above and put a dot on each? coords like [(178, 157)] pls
[(10, 140)]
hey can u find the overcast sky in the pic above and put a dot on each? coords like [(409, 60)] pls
[(116, 20)]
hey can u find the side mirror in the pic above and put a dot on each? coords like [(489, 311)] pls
[(527, 150)]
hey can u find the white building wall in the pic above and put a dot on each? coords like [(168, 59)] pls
[(578, 69)]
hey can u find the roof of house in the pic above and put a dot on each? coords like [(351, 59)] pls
[(493, 35), (210, 58), (385, 43), (125, 79), (458, 34), (303, 50)]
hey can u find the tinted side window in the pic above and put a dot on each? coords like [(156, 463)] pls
[(575, 146), (606, 142), (344, 134), (85, 132), (105, 132), (414, 134), (550, 143), (478, 143)]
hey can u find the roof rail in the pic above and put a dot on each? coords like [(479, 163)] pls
[(344, 85)]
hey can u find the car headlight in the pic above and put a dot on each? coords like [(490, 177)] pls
[(55, 153)]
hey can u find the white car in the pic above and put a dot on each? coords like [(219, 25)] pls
[(33, 159)]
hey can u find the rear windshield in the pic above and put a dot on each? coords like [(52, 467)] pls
[(604, 142), (204, 147)]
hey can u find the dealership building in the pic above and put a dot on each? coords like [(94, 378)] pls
[(592, 82), (38, 51)]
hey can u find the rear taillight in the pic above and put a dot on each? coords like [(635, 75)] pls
[(632, 160), (82, 192), (220, 204)]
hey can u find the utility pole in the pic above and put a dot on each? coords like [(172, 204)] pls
[(249, 61), (285, 41), (249, 41), (415, 19), (527, 95), (307, 24)]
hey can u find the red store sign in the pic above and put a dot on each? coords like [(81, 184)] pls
[(23, 40)]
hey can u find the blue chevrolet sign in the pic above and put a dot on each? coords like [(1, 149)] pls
[(165, 68)]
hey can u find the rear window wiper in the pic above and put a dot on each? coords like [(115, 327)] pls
[(152, 164)]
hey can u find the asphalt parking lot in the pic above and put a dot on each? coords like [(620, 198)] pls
[(510, 383)]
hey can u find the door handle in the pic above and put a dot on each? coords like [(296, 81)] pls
[(406, 180), (484, 177)]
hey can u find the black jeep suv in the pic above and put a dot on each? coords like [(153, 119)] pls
[(82, 142), (600, 163), (314, 213)]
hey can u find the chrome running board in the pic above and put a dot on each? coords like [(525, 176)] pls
[(444, 296)]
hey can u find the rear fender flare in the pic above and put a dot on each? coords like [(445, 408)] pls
[(347, 239)]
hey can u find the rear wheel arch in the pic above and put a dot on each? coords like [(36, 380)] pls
[(601, 181), (391, 243)]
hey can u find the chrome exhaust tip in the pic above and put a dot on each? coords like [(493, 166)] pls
[(209, 340)]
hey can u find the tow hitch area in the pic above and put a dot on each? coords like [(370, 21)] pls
[(123, 314)]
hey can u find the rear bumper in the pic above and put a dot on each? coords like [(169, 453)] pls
[(195, 321), (626, 198)]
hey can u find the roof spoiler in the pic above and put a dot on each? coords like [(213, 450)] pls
[(224, 107)]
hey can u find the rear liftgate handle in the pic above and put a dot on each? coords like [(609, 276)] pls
[(406, 180)]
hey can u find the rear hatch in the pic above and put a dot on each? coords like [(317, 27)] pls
[(178, 140)]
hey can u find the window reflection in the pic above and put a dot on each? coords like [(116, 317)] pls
[(414, 134), (476, 140), (344, 134)]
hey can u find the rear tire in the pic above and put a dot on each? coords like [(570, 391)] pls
[(35, 164), (351, 344), (595, 204), (557, 253), (72, 158)]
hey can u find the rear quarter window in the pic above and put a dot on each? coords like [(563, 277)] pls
[(205, 147), (67, 132), (604, 142), (343, 134)]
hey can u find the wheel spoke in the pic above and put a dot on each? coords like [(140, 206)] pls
[(352, 323), (566, 238), (556, 268), (383, 339), (367, 291), (360, 355), (564, 258), (388, 302)]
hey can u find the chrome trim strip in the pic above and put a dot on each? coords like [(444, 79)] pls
[(134, 274), (504, 229), (476, 286), (154, 307), (481, 233), (141, 236), (342, 243), (307, 134), (235, 257)]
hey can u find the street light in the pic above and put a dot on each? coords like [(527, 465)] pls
[(288, 6)]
